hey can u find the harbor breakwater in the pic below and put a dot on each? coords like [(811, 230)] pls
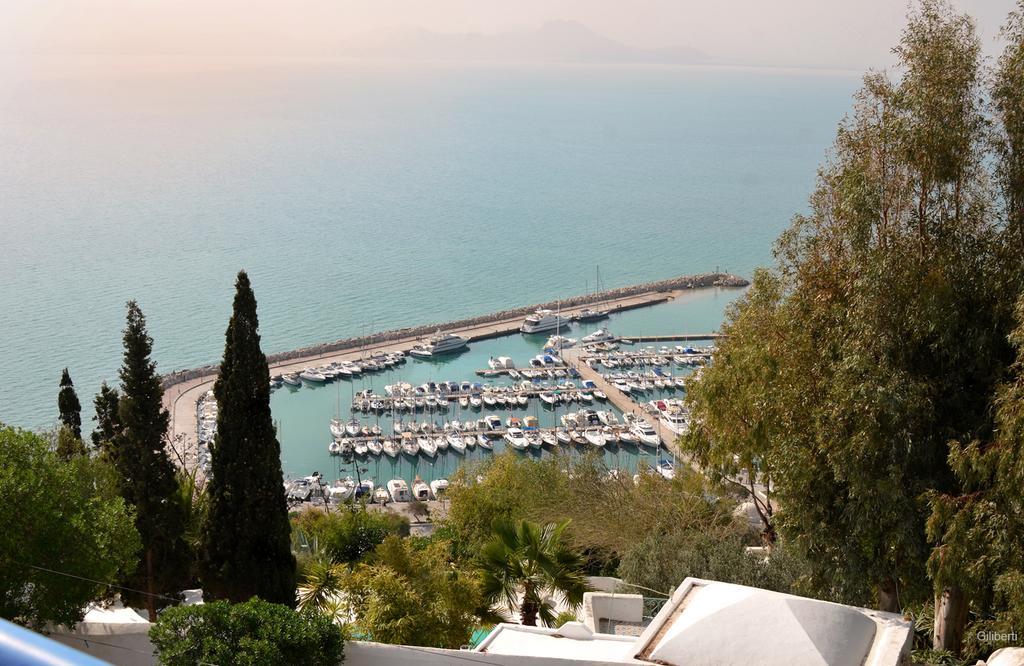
[(681, 283)]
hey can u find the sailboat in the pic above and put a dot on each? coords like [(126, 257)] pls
[(593, 313)]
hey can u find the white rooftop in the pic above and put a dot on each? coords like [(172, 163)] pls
[(707, 622)]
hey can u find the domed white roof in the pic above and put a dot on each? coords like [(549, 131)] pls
[(719, 623)]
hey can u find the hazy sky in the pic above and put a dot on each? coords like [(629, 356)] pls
[(850, 34)]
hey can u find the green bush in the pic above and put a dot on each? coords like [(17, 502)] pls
[(67, 534), (253, 633), (345, 535)]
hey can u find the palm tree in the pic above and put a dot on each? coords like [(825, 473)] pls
[(321, 589), (526, 564)]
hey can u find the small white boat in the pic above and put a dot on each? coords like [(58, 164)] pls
[(427, 446), (559, 342), (584, 396), (409, 446), (399, 490), (439, 487), (483, 442), (291, 380), (374, 447), (420, 490), (493, 421), (464, 402), (360, 447), (563, 436), (534, 439), (516, 439), (456, 443), (594, 436), (627, 437), (440, 443), (334, 448), (666, 469), (600, 395), (381, 496), (646, 433), (489, 400), (352, 427), (337, 428), (600, 335), (312, 376), (549, 438), (549, 399)]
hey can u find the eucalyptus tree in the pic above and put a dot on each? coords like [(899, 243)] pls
[(881, 335)]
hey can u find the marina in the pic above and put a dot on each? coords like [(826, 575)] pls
[(304, 408)]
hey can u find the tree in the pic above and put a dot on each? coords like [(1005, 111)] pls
[(70, 407), (255, 632), (67, 533), (526, 564), (321, 589), (67, 445), (107, 405), (147, 476), (247, 540), (882, 334), (734, 402), (978, 531), (412, 596), (348, 536)]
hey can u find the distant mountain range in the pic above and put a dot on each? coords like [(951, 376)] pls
[(555, 41)]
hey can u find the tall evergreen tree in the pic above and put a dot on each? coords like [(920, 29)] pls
[(70, 407), (106, 403), (146, 475), (246, 539)]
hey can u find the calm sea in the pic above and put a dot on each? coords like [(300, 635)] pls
[(369, 197)]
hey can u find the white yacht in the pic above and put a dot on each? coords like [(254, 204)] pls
[(399, 490), (676, 422), (543, 321), (439, 487), (312, 376), (559, 342), (645, 432), (516, 438), (439, 345), (600, 335), (420, 490)]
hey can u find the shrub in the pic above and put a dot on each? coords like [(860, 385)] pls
[(253, 633)]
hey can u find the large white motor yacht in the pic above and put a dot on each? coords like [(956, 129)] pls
[(543, 321), (439, 344)]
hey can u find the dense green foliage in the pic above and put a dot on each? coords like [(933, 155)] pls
[(853, 370), (247, 536), (66, 536), (412, 596), (147, 477), (525, 565), (66, 445), (69, 406), (107, 406), (254, 633), (345, 535)]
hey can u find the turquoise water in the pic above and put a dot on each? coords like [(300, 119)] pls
[(303, 414), (371, 197)]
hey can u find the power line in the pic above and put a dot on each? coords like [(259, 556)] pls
[(99, 582)]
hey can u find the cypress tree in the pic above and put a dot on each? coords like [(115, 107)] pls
[(247, 536), (69, 406), (106, 404), (146, 475)]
